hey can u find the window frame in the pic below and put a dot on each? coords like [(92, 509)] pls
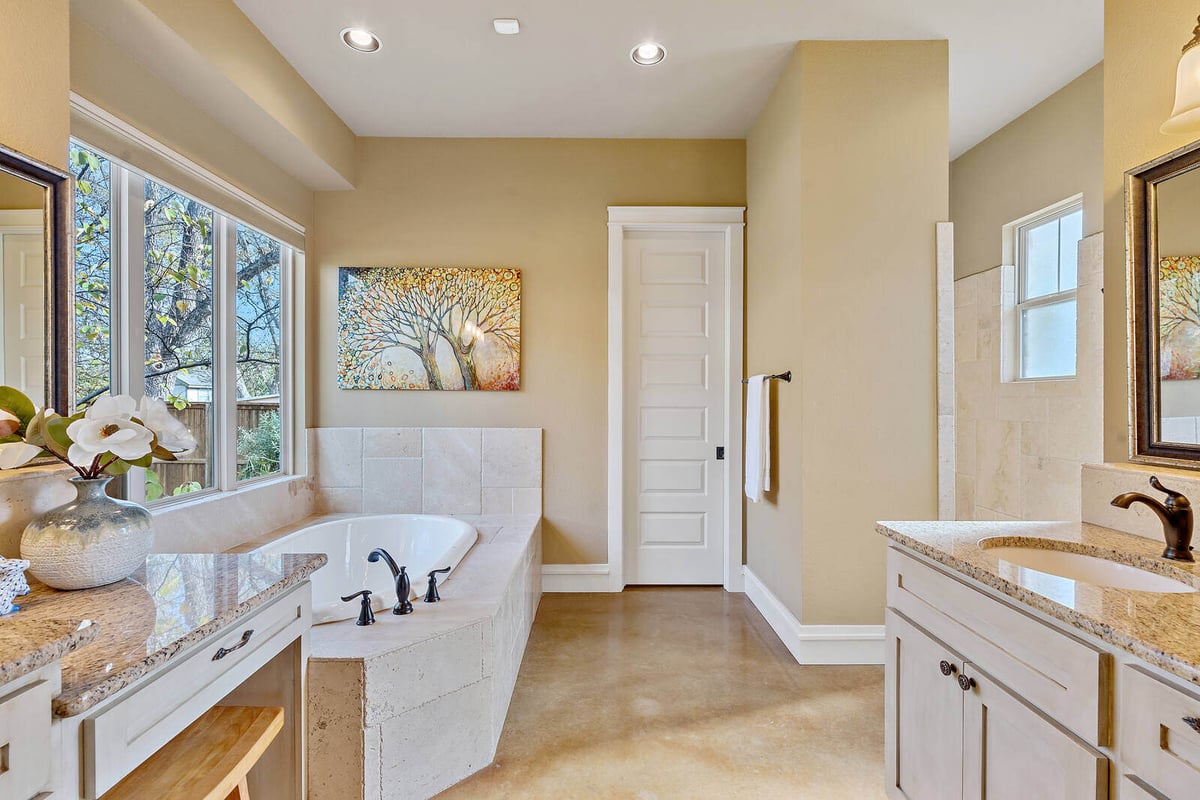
[(1015, 248), (128, 338)]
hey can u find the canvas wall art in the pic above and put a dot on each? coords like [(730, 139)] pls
[(422, 328), (1179, 318)]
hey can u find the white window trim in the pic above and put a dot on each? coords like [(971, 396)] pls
[(1011, 304), (128, 338)]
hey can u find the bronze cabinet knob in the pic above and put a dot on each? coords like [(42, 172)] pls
[(947, 668), (965, 683)]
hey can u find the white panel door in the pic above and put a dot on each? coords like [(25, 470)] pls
[(674, 322), (24, 267)]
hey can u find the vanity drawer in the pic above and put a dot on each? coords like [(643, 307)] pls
[(25, 747), (1160, 734), (136, 724), (1134, 789), (1061, 675)]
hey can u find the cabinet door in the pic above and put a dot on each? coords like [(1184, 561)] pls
[(924, 708), (1011, 752)]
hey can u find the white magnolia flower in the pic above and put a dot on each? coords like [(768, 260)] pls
[(118, 435), (17, 454), (10, 423), (122, 406), (172, 434)]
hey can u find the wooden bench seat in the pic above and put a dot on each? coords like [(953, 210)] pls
[(207, 761)]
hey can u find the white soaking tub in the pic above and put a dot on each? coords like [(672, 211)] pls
[(420, 542)]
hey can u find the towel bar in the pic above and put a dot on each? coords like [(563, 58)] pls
[(782, 376)]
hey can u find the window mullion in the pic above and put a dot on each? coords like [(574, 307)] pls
[(225, 406), (287, 272), (128, 309)]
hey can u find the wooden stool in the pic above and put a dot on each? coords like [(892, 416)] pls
[(207, 761)]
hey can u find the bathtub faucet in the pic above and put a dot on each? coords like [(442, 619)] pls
[(403, 584)]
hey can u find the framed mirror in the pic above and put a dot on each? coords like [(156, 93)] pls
[(1162, 203), (36, 235)]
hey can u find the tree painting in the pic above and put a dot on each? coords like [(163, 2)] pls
[(429, 328), (1179, 318)]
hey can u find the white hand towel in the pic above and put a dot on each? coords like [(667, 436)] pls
[(758, 438)]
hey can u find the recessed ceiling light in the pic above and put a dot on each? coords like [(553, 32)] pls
[(361, 39), (648, 54), (508, 27)]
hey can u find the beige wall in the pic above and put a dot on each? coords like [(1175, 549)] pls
[(18, 193), (540, 205), (841, 256), (1051, 152), (34, 90), (34, 79), (1141, 50), (102, 73), (230, 42)]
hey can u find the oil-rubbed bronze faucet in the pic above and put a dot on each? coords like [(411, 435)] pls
[(1176, 516)]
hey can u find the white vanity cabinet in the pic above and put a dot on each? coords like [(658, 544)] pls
[(987, 699), (1159, 740), (25, 735)]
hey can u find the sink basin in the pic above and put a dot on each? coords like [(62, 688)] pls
[(1087, 569)]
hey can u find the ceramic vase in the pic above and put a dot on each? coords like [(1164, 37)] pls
[(91, 541)]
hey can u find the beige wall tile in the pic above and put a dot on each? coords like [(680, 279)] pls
[(450, 477)]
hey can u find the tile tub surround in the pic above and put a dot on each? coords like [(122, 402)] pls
[(29, 643), (216, 523), (406, 707), (1162, 629), (171, 604), (428, 470), (1020, 444)]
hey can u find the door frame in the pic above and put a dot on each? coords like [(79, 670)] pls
[(729, 221)]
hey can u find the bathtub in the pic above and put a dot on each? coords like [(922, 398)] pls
[(419, 541)]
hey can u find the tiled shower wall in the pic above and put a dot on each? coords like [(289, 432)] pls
[(427, 470), (1021, 444)]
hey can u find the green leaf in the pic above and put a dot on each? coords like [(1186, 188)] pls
[(56, 436), (15, 402), (118, 467)]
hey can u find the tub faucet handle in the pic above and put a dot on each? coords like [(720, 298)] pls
[(365, 615), (431, 594)]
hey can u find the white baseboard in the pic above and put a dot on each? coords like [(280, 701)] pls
[(575, 578), (816, 644)]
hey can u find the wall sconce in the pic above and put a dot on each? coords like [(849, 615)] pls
[(1185, 118)]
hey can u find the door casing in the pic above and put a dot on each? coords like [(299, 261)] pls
[(730, 222)]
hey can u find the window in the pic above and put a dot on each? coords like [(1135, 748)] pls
[(1046, 249), (179, 301)]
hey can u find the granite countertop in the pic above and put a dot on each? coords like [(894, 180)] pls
[(29, 644), (172, 603), (1160, 628)]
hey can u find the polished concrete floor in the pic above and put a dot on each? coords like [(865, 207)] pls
[(656, 694)]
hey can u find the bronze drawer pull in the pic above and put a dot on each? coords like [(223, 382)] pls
[(1193, 723), (947, 668), (224, 651), (965, 683)]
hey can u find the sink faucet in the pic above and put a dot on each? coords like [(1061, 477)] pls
[(403, 583), (1176, 516)]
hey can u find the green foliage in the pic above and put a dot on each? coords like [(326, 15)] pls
[(259, 448), (16, 403), (155, 490)]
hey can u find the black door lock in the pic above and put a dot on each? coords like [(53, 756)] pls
[(720, 454)]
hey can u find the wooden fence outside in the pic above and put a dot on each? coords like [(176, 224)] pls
[(198, 419)]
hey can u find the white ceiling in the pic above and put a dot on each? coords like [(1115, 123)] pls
[(443, 71)]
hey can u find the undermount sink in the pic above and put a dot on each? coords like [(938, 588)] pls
[(1086, 568)]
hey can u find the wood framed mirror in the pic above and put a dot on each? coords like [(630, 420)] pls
[(36, 254), (1162, 204)]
